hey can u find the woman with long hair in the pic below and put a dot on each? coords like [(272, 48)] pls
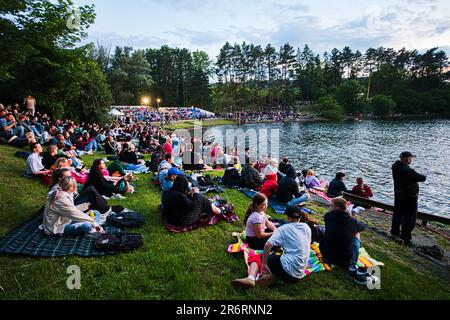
[(257, 227), (62, 217), (184, 206), (103, 186)]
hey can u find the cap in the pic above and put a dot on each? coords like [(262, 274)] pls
[(174, 172), (293, 212), (407, 154)]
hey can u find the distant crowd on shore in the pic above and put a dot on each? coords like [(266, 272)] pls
[(77, 200)]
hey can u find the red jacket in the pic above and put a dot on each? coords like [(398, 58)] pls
[(364, 192), (269, 187)]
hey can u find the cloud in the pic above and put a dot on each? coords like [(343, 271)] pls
[(121, 40)]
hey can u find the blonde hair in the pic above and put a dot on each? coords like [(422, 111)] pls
[(310, 173), (64, 185), (59, 161)]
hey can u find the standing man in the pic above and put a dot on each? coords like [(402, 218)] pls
[(30, 105), (406, 187)]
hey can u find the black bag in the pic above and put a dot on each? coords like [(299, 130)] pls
[(231, 177), (122, 242), (126, 220), (205, 181)]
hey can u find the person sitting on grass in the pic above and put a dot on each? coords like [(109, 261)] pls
[(251, 178), (362, 190), (102, 185), (167, 183), (88, 199), (61, 216), (342, 240), (49, 158), (34, 162), (184, 206), (284, 165), (294, 238), (311, 181), (269, 188), (80, 176), (288, 190), (337, 186), (257, 227)]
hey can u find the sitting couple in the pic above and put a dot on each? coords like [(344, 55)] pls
[(286, 190), (339, 243)]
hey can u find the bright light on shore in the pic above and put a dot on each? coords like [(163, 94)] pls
[(146, 100)]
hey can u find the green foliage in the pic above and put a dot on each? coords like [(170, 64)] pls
[(329, 108), (193, 265), (64, 80), (382, 105), (350, 95)]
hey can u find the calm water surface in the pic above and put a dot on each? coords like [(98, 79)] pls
[(369, 149)]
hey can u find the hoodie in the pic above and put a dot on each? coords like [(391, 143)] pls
[(251, 178), (269, 187), (406, 180), (288, 187), (337, 242)]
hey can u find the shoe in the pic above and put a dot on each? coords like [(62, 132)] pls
[(367, 279), (246, 283), (396, 239), (117, 197), (266, 280)]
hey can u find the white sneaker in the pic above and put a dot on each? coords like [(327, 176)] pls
[(117, 197)]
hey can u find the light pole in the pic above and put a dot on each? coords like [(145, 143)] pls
[(159, 101)]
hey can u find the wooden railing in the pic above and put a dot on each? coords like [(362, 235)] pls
[(425, 217)]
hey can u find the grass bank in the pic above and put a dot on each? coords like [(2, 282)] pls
[(195, 265)]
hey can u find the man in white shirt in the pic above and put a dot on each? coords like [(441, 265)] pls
[(34, 162), (295, 240)]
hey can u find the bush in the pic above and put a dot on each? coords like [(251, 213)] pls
[(329, 108), (383, 106)]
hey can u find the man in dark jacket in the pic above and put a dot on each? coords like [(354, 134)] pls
[(342, 240), (406, 187), (337, 186), (251, 178), (288, 190)]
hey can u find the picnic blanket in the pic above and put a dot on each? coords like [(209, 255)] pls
[(29, 240), (315, 262), (278, 207), (205, 221), (321, 194)]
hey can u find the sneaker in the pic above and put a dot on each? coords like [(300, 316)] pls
[(117, 197), (90, 152), (367, 279), (246, 283), (266, 280)]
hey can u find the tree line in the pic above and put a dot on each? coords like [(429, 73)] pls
[(344, 80), (40, 56)]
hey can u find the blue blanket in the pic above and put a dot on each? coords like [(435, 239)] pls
[(278, 207)]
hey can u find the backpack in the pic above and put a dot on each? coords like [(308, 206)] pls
[(129, 219), (115, 243), (204, 181)]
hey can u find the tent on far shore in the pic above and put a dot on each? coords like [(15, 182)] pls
[(116, 113)]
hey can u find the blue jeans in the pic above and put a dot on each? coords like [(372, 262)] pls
[(297, 201), (93, 145), (19, 131), (80, 228), (356, 247)]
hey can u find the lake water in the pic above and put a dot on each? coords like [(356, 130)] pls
[(369, 149)]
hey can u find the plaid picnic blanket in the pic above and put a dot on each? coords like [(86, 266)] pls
[(29, 240), (278, 207), (315, 262)]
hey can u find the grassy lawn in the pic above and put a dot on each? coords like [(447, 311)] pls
[(207, 123), (195, 265)]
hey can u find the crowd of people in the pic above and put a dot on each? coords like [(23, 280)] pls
[(166, 115), (77, 200), (270, 116)]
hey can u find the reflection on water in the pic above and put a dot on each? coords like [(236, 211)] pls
[(369, 149)]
